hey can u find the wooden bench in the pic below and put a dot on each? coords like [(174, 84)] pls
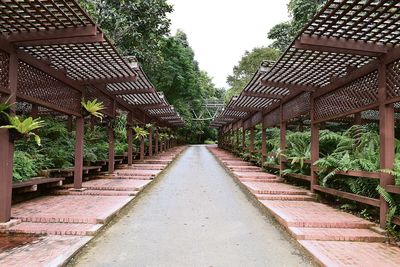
[(69, 172), (31, 185)]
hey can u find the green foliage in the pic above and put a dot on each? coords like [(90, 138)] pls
[(6, 105), (93, 107), (95, 144), (27, 165), (301, 12), (25, 127), (247, 66), (209, 142), (140, 133)]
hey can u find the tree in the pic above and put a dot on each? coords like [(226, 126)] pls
[(300, 12), (135, 26), (248, 65)]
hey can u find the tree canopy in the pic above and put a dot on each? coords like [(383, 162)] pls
[(247, 66)]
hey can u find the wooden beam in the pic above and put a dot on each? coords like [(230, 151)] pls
[(289, 86), (98, 38), (133, 91), (152, 106), (70, 32), (262, 95), (243, 109), (108, 80), (336, 45)]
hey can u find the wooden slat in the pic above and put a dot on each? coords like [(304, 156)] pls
[(299, 176), (36, 181), (350, 196), (393, 189)]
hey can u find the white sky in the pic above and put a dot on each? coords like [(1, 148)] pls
[(220, 31)]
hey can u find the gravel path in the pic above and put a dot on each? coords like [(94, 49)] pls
[(194, 216)]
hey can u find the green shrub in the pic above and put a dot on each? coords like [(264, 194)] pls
[(209, 142)]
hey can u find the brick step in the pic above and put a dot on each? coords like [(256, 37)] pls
[(114, 176), (260, 174), (77, 229), (143, 167), (284, 197), (261, 180), (274, 188), (245, 168), (312, 214), (236, 163), (91, 192), (336, 234)]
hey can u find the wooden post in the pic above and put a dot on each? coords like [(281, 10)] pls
[(69, 123), (282, 141), (237, 139), (7, 147), (79, 144), (386, 133), (34, 111), (142, 148), (314, 145), (263, 145), (151, 143), (130, 145), (156, 144), (111, 150), (251, 149), (243, 139)]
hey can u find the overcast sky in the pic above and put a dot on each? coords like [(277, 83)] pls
[(220, 31)]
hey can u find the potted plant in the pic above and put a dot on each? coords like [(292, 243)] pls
[(4, 110), (92, 108), (23, 128)]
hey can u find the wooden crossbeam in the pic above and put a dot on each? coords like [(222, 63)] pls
[(108, 80), (336, 45), (98, 38), (152, 106), (243, 109), (289, 86), (261, 95), (70, 32), (133, 91)]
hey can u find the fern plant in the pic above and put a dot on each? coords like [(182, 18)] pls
[(140, 133), (25, 127), (93, 108)]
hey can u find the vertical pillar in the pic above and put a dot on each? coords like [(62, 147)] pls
[(78, 166), (386, 133), (357, 119), (69, 123), (142, 148), (151, 142), (156, 144), (34, 111), (237, 139), (263, 145), (251, 149), (314, 144), (111, 150), (7, 148), (130, 145), (243, 139), (282, 141)]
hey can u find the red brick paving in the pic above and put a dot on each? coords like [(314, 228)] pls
[(45, 251), (338, 253), (72, 209), (81, 229), (76, 213), (333, 237), (114, 184)]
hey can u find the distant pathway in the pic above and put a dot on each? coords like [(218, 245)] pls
[(194, 216)]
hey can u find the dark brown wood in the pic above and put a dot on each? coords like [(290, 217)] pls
[(336, 45), (299, 176), (366, 200), (243, 139), (111, 150), (150, 142), (34, 111), (282, 141), (156, 146), (314, 145), (387, 139), (364, 174), (89, 30), (393, 189), (36, 181), (78, 166), (98, 38), (261, 95), (133, 91), (289, 86), (130, 145), (7, 147), (141, 149), (108, 80)]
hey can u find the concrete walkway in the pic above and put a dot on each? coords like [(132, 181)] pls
[(195, 215)]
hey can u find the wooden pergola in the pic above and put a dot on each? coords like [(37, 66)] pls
[(52, 55), (344, 64)]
